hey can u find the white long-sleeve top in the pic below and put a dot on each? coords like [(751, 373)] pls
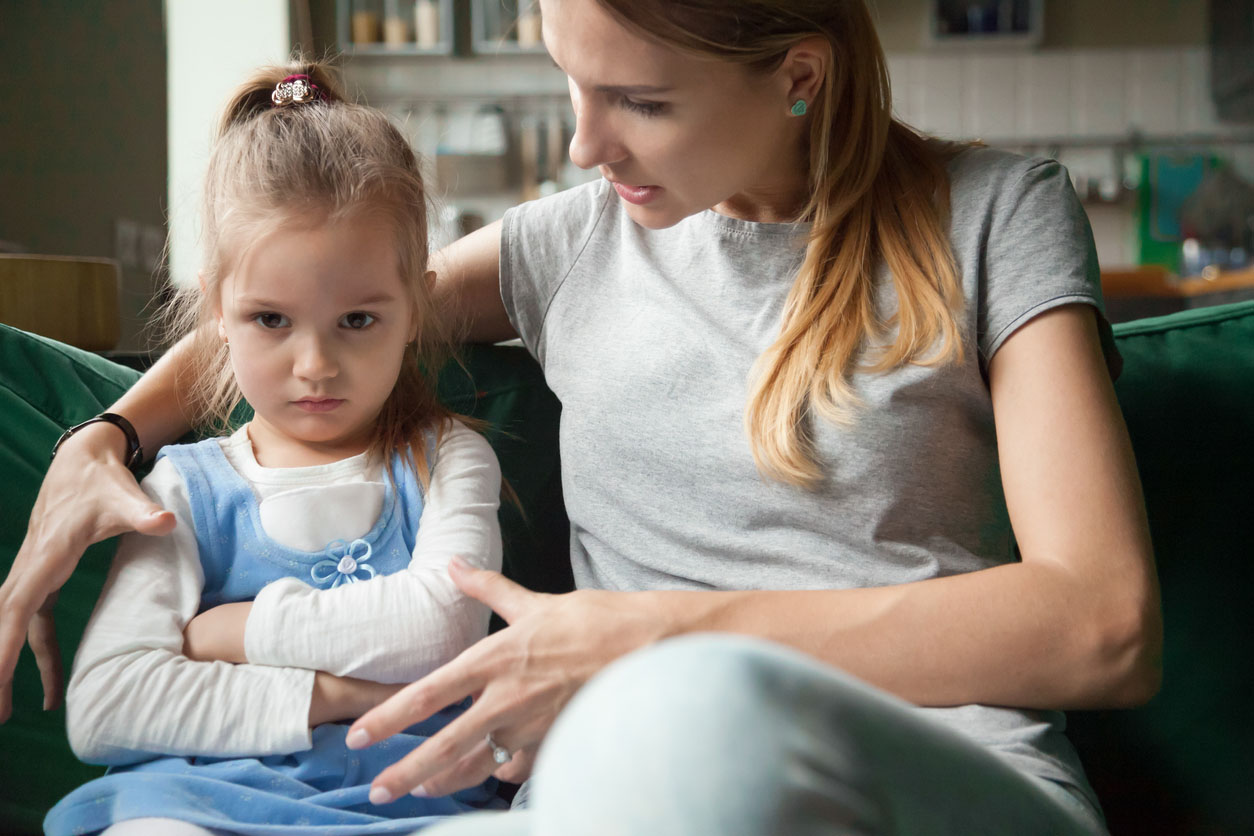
[(132, 693)]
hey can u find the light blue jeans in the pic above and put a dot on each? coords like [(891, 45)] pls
[(730, 736)]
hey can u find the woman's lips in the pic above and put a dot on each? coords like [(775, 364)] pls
[(638, 195), (318, 404)]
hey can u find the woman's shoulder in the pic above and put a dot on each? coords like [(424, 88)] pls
[(583, 202), (980, 176)]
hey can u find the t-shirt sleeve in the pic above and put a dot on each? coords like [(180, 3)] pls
[(1039, 255), (540, 242)]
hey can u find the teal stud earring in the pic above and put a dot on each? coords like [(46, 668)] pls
[(799, 109)]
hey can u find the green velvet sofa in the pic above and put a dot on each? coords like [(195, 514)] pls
[(1181, 764)]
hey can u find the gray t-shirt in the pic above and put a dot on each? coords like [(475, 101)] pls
[(648, 336)]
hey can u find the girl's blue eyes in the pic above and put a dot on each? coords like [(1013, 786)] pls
[(355, 321)]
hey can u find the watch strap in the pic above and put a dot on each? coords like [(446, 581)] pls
[(135, 452)]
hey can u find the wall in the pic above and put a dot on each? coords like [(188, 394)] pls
[(232, 37), (1083, 106), (903, 24), (82, 134)]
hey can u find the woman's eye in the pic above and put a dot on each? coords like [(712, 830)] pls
[(271, 320), (356, 320), (643, 108)]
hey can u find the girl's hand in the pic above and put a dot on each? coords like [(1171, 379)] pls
[(217, 634), (340, 698), (87, 495), (521, 678)]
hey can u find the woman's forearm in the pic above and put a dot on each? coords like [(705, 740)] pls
[(1021, 635), (154, 404)]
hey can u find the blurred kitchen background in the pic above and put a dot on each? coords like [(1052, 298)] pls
[(108, 108)]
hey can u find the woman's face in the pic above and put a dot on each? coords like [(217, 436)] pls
[(676, 134)]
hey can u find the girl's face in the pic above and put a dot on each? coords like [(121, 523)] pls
[(317, 319), (676, 134)]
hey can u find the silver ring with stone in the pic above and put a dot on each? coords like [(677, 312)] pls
[(499, 753)]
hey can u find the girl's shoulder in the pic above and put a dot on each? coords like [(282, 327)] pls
[(462, 443)]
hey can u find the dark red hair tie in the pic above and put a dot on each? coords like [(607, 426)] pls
[(296, 89)]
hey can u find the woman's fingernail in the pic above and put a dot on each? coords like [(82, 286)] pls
[(357, 739), (459, 561), (379, 795), (420, 792)]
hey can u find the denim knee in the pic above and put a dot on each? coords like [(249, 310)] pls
[(688, 736)]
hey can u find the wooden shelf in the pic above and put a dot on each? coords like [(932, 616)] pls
[(1160, 282)]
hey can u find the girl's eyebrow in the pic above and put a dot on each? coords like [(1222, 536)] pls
[(376, 299), (246, 301)]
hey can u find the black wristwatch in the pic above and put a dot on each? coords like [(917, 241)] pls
[(135, 453)]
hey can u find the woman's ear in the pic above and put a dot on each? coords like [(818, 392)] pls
[(804, 68)]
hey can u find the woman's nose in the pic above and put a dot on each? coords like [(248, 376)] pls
[(593, 143)]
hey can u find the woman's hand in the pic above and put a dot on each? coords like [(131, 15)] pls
[(87, 495), (217, 634), (521, 678)]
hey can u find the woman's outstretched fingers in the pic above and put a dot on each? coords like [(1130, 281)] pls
[(87, 495), (43, 643), (506, 598), (417, 701), (446, 749), (473, 768)]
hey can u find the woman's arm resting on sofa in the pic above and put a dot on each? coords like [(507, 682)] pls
[(87, 495), (468, 286)]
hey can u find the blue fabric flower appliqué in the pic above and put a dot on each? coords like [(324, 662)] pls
[(345, 563)]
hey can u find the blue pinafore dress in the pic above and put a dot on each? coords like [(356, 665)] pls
[(324, 789)]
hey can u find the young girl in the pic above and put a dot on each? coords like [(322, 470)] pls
[(314, 306)]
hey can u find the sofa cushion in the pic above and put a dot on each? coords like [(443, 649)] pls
[(1182, 763), (45, 386)]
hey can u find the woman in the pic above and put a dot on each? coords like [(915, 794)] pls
[(882, 442)]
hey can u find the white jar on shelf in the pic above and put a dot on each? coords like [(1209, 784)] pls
[(427, 23)]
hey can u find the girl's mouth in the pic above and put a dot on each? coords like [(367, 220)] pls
[(318, 404)]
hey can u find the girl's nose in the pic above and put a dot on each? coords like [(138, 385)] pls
[(315, 360), (593, 143)]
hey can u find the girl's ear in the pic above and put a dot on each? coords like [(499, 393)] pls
[(217, 306)]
